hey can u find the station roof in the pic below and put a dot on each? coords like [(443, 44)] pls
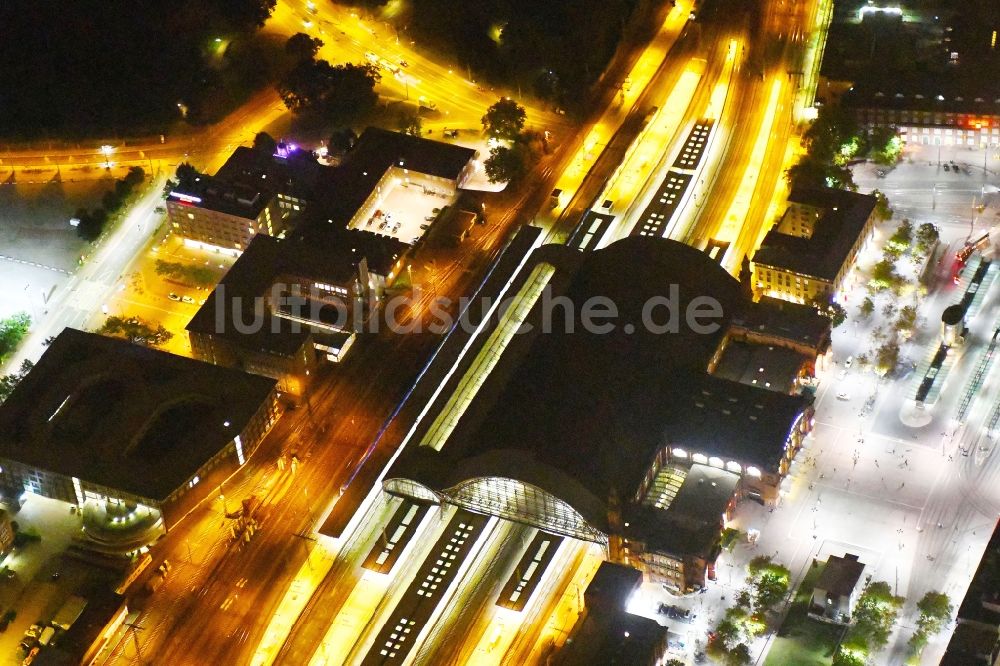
[(762, 365), (795, 322), (582, 414), (125, 416), (844, 217)]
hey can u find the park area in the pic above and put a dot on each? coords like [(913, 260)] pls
[(801, 640)]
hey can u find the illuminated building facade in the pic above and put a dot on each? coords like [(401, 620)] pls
[(807, 256), (99, 419), (620, 437)]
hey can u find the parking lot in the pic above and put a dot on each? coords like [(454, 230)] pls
[(407, 206)]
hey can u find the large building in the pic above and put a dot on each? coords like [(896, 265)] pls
[(806, 257), (287, 305), (353, 192), (616, 434), (976, 637), (101, 420), (253, 193)]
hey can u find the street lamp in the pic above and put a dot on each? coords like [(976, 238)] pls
[(106, 150)]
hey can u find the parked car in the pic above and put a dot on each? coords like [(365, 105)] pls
[(174, 297), (843, 395), (849, 362), (187, 299)]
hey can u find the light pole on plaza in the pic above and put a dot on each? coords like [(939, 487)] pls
[(106, 150)]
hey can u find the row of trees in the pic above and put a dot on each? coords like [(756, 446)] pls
[(832, 141), (515, 148), (340, 94), (92, 222), (766, 587), (12, 331), (875, 614), (196, 276), (136, 330)]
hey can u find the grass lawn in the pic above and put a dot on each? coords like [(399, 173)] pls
[(801, 640)]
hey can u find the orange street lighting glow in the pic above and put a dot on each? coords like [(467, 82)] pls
[(740, 206)]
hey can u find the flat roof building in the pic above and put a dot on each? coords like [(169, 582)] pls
[(287, 304), (253, 193), (805, 258), (101, 420), (607, 633)]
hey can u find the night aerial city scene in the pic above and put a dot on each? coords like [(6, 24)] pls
[(500, 332)]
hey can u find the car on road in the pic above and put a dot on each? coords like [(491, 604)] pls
[(174, 297), (187, 299), (849, 362), (843, 395), (425, 227), (403, 63)]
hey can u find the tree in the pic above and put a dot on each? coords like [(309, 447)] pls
[(882, 210), (409, 122), (506, 164), (837, 314), (935, 610), (301, 47), (887, 357), (739, 655), (504, 120), (901, 239), (927, 234), (889, 309), (874, 616), (91, 223), (247, 14), (886, 146), (768, 582), (907, 318), (198, 276), (265, 144), (867, 308), (135, 330), (884, 275), (186, 174), (9, 382), (847, 658), (341, 94)]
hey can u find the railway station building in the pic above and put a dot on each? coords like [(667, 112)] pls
[(620, 436)]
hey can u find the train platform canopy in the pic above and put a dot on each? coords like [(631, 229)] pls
[(582, 414)]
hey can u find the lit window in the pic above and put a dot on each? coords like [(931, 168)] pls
[(700, 458), (715, 462), (754, 472), (680, 453), (734, 467)]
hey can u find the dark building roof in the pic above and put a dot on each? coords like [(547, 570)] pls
[(982, 600), (795, 322), (761, 365), (249, 179), (608, 633), (125, 416), (323, 255), (692, 523), (972, 644), (840, 575), (345, 188), (844, 217), (582, 414), (294, 174)]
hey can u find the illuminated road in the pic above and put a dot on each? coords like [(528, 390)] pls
[(347, 38)]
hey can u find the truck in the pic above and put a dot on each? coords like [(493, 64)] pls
[(69, 612)]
